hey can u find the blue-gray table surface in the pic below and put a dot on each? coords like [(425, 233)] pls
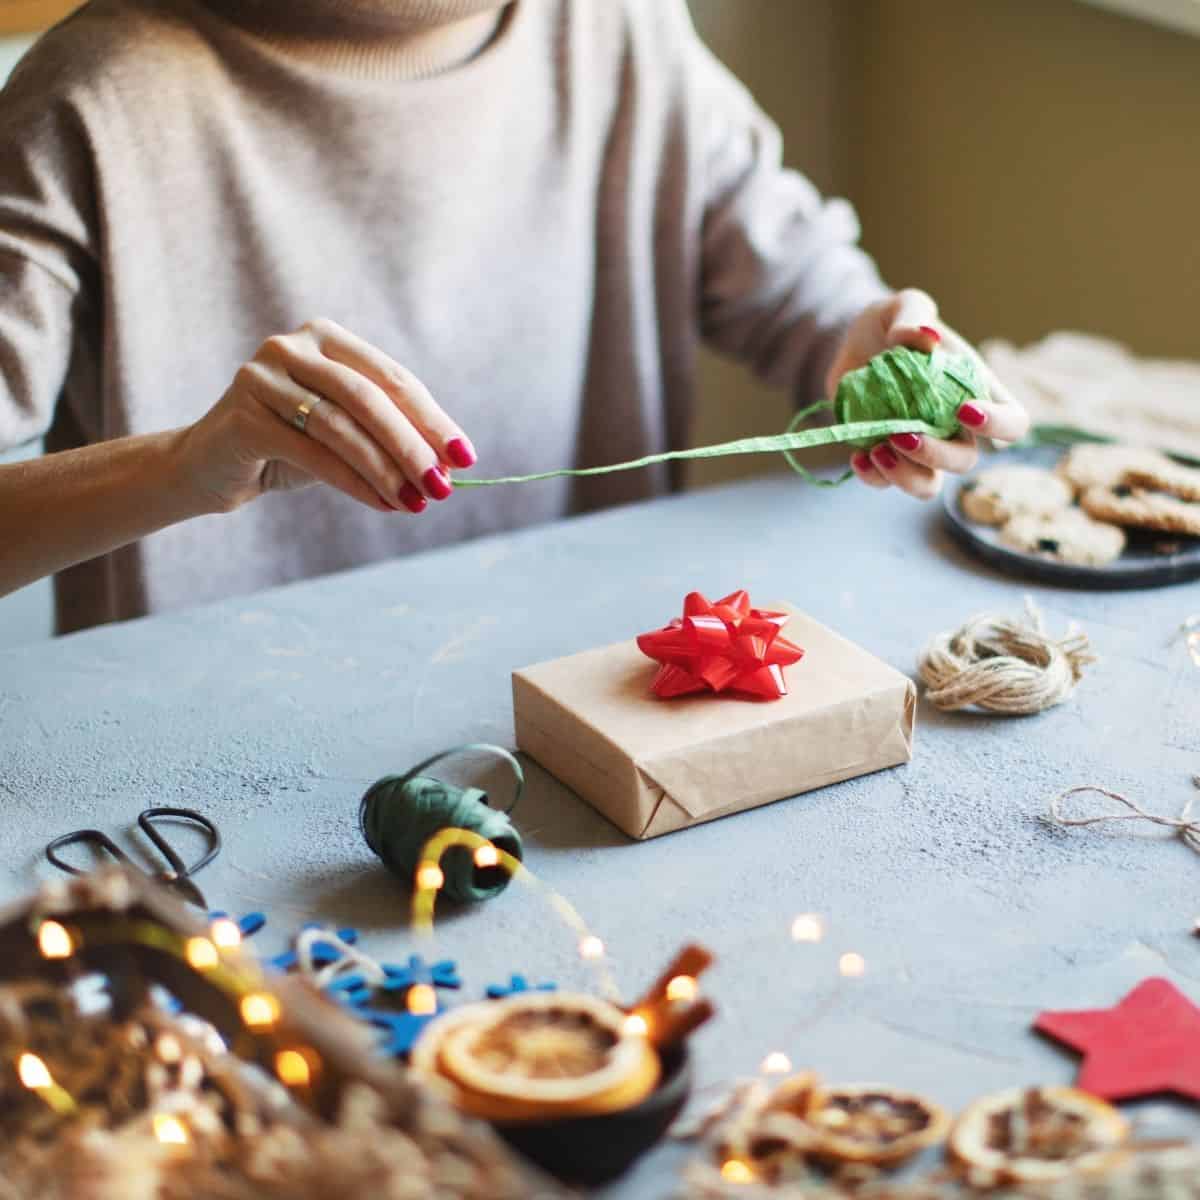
[(274, 712)]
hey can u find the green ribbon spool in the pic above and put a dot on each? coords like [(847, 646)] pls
[(400, 813), (898, 391)]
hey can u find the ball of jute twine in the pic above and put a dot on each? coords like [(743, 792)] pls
[(1003, 664)]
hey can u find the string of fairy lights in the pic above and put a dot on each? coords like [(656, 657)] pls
[(806, 928), (213, 954), (210, 954)]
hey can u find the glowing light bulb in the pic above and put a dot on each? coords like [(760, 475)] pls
[(591, 947), (776, 1063), (487, 856), (421, 1000), (635, 1025), (225, 933), (201, 954), (808, 927), (259, 1010), (292, 1068), (168, 1048), (54, 941), (852, 966), (430, 877), (34, 1073), (682, 989), (733, 1170), (169, 1130)]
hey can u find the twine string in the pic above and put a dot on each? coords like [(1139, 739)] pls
[(1004, 664), (1186, 829), (350, 959)]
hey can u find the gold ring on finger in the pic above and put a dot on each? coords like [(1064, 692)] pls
[(300, 416)]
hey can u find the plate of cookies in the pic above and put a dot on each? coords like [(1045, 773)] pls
[(1096, 514)]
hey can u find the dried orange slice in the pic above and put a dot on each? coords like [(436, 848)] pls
[(538, 1055), (872, 1123), (1034, 1135)]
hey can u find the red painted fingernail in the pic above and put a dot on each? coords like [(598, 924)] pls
[(885, 457), (906, 441), (861, 461), (412, 499), (436, 483), (461, 453), (930, 332), (972, 414)]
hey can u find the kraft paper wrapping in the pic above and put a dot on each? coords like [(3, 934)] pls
[(653, 766)]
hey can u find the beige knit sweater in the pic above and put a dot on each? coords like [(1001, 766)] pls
[(543, 234)]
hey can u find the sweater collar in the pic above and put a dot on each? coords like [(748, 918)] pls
[(400, 39)]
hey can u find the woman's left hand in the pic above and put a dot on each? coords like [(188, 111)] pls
[(909, 461)]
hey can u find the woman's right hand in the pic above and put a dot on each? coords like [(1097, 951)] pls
[(373, 430)]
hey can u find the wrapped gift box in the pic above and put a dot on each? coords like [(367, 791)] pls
[(653, 766)]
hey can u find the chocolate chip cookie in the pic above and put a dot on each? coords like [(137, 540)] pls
[(1068, 536)]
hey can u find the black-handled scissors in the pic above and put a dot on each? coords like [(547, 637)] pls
[(177, 876)]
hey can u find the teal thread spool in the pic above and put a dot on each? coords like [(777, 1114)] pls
[(400, 813)]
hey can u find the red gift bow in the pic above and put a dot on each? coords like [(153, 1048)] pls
[(727, 646)]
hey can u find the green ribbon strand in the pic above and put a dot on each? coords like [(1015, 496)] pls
[(898, 391)]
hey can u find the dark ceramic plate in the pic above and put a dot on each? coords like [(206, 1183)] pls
[(594, 1150), (1150, 559)]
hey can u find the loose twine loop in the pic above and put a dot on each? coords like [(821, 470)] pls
[(1004, 664), (1187, 830)]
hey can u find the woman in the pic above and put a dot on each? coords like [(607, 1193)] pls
[(402, 229)]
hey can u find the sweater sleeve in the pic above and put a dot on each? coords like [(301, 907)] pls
[(781, 272), (45, 246)]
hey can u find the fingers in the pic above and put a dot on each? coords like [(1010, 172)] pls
[(957, 455), (914, 321), (373, 414), (861, 465), (331, 426), (1004, 419), (299, 450), (405, 391), (1003, 422), (901, 472)]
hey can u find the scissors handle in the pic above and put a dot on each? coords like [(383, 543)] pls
[(83, 837), (179, 869)]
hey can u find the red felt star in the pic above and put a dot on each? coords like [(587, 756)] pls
[(726, 646), (1148, 1043)]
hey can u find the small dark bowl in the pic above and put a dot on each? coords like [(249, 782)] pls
[(594, 1150)]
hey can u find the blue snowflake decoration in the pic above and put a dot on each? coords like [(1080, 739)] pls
[(439, 975), (367, 1000), (515, 986), (400, 1029), (354, 989)]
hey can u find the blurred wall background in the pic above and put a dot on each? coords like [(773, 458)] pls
[(1035, 164), (1032, 163), (792, 56)]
